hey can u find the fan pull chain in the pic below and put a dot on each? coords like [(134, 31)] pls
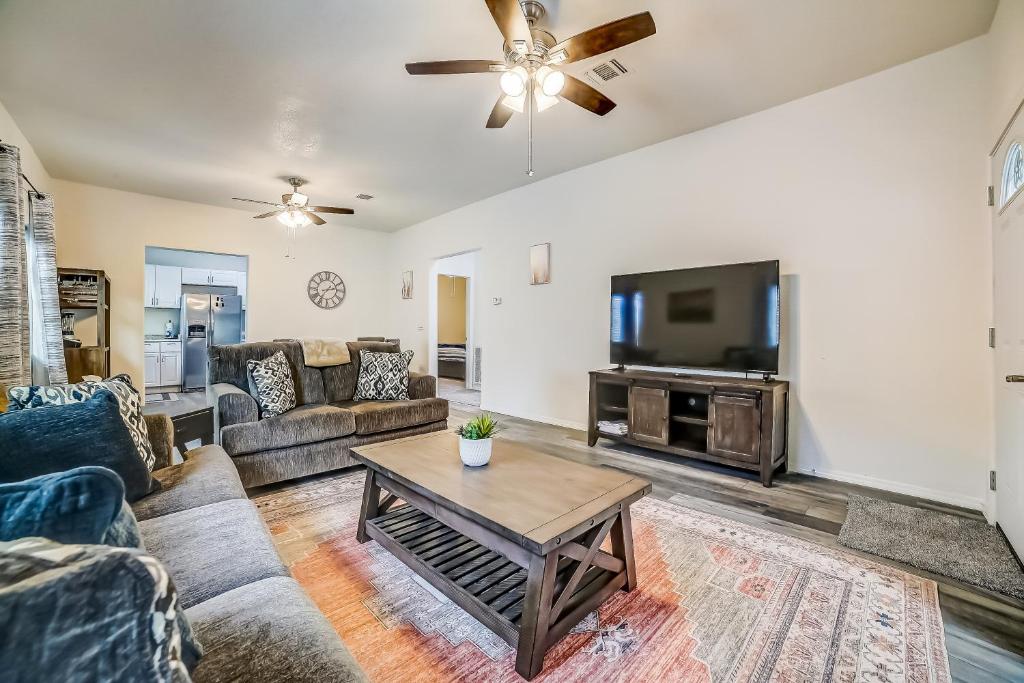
[(529, 125)]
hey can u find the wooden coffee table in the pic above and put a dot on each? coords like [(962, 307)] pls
[(516, 543)]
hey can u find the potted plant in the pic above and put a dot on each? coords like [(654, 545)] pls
[(475, 439)]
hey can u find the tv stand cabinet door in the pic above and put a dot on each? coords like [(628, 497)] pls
[(648, 414), (735, 429)]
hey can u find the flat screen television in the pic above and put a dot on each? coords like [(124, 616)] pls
[(714, 318)]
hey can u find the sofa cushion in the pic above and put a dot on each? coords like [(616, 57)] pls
[(302, 425), (75, 506), (269, 631), (271, 384), (228, 364), (383, 416), (212, 549), (340, 380), (129, 403), (383, 376), (61, 437), (90, 613), (207, 476)]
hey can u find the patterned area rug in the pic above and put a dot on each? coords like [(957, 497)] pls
[(717, 601)]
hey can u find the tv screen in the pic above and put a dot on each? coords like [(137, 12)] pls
[(720, 318)]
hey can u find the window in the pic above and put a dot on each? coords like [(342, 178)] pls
[(1013, 174)]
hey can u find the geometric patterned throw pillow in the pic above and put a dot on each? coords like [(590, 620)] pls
[(383, 376), (270, 382), (91, 612), (129, 404)]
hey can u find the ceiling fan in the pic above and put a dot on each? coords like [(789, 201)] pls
[(530, 74), (294, 210)]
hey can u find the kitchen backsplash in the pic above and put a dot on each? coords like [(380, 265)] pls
[(156, 320)]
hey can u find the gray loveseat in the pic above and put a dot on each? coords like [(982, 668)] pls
[(253, 620), (318, 434)]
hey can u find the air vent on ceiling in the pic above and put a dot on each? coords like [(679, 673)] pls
[(363, 195), (606, 71)]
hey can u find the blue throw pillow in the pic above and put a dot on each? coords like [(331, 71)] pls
[(77, 506), (90, 613), (62, 437)]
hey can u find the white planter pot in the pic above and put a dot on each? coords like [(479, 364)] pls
[(475, 452)]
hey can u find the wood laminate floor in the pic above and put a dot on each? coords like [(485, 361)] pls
[(984, 631)]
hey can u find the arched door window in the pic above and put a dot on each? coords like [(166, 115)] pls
[(1013, 174)]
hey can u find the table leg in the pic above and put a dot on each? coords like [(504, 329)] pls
[(369, 508), (622, 546), (533, 628)]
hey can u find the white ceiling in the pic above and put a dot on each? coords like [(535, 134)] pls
[(205, 101)]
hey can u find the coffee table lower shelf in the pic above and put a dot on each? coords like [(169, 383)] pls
[(483, 582)]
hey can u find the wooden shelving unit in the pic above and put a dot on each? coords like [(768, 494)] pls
[(85, 290)]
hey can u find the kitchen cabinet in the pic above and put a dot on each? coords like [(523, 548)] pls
[(167, 287), (150, 279), (162, 364), (213, 278), (224, 278), (195, 276)]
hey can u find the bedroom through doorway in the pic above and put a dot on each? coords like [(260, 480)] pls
[(453, 349)]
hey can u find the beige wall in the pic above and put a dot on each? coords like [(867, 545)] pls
[(1006, 39), (109, 230), (451, 309), (30, 163), (870, 194)]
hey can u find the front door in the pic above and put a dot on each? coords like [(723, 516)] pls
[(1008, 291)]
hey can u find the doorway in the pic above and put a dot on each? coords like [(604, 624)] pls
[(1008, 283), (454, 351)]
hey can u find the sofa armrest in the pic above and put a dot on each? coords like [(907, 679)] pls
[(422, 386), (231, 406), (161, 438)]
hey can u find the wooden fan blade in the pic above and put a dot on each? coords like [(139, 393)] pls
[(329, 209), (313, 217), (455, 66), (499, 115), (269, 214), (511, 21), (257, 201), (578, 92), (606, 37)]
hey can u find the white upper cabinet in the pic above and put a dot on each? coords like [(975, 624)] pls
[(195, 276), (150, 286), (224, 278), (168, 287)]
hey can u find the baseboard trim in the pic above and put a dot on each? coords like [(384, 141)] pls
[(968, 502), (544, 419)]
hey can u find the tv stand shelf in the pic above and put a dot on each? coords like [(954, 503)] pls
[(727, 420)]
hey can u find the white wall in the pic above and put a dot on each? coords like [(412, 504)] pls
[(109, 230), (1006, 40), (869, 194)]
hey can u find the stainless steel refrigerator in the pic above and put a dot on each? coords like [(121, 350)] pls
[(207, 320)]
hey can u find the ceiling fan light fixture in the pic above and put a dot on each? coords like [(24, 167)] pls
[(517, 103), (513, 81), (542, 100), (551, 81), (299, 199), (293, 219)]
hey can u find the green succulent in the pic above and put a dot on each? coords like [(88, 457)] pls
[(481, 427)]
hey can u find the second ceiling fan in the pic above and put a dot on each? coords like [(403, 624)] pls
[(530, 74)]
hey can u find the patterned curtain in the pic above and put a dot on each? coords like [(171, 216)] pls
[(15, 350), (46, 337)]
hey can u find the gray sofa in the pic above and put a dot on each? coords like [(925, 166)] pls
[(318, 434), (253, 620)]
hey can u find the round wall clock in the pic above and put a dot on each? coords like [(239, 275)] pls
[(326, 289)]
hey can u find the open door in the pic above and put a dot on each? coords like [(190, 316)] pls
[(1008, 292)]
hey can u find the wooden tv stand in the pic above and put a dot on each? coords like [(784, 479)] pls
[(727, 420)]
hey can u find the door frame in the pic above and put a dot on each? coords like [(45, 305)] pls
[(473, 337)]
